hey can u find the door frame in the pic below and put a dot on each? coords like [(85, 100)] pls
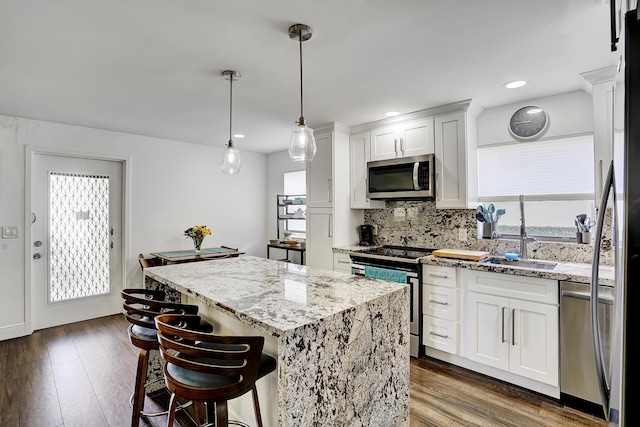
[(125, 234)]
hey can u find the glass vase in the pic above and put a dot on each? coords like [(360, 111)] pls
[(197, 243)]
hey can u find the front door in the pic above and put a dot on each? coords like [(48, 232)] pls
[(76, 263)]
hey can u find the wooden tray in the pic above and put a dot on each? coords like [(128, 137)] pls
[(461, 254)]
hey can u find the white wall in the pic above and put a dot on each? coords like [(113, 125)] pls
[(173, 185), (277, 164), (569, 113)]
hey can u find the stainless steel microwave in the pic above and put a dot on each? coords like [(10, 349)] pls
[(409, 178)]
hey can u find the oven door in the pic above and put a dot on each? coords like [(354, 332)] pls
[(413, 280)]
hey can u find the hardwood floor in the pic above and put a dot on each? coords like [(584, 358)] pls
[(82, 375)]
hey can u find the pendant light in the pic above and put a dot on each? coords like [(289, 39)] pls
[(302, 147), (231, 163)]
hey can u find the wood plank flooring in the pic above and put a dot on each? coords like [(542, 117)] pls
[(82, 375)]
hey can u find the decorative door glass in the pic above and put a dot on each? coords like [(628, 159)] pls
[(79, 236)]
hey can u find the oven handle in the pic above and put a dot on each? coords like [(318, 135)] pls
[(416, 183)]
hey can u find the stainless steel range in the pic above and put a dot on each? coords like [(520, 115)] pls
[(398, 258)]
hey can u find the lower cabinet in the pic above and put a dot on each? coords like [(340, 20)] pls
[(341, 262), (512, 324), (440, 309)]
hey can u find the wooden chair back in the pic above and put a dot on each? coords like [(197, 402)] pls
[(148, 262), (236, 357), (141, 306)]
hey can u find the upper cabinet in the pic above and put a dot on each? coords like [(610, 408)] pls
[(456, 158), (359, 155), (402, 140)]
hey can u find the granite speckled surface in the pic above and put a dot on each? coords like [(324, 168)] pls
[(343, 340), (420, 224)]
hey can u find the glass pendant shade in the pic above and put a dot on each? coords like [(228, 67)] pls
[(302, 147), (231, 163)]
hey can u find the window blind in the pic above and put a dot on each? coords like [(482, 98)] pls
[(554, 167)]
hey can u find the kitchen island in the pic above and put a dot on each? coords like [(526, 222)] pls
[(342, 341)]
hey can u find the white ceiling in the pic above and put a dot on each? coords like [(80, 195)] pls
[(152, 67)]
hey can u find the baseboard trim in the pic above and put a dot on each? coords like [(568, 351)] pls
[(13, 331)]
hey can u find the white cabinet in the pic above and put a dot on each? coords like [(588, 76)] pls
[(402, 140), (319, 173), (456, 159), (512, 324), (330, 220), (342, 262), (440, 309), (359, 155)]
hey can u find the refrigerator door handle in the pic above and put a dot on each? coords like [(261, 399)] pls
[(605, 387)]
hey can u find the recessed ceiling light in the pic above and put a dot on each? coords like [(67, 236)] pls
[(515, 84), (238, 135), (392, 113)]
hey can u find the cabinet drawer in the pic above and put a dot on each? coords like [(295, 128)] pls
[(440, 302), (440, 334), (511, 286), (341, 262), (439, 276)]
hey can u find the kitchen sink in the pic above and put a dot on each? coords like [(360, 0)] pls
[(540, 265)]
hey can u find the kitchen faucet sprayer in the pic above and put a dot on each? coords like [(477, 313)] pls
[(523, 232)]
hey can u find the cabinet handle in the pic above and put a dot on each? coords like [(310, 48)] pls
[(438, 335), (435, 187), (366, 189), (395, 145), (513, 327), (344, 262), (502, 323), (330, 225), (441, 276), (402, 146), (329, 182), (438, 302)]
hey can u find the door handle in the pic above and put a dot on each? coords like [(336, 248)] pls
[(329, 183), (438, 302), (438, 335), (330, 225), (37, 255)]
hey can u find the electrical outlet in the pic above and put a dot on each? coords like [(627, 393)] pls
[(462, 234)]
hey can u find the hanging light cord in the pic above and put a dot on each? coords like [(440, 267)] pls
[(230, 106), (301, 103)]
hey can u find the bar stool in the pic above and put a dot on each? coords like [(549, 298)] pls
[(141, 306), (210, 368)]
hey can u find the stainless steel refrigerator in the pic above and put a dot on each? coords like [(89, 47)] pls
[(622, 193)]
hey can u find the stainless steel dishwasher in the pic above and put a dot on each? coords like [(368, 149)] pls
[(578, 373)]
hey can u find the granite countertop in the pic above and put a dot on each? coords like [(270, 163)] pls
[(566, 271), (272, 296)]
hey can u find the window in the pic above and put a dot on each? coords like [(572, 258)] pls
[(295, 183), (555, 176)]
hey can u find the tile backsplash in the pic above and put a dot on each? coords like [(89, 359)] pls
[(420, 224)]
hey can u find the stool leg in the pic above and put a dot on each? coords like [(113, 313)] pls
[(138, 397), (256, 406), (172, 410), (222, 416)]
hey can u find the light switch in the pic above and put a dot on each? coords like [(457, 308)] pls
[(10, 232)]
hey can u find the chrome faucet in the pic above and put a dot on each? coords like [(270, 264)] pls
[(523, 232)]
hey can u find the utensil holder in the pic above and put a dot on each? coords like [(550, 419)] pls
[(578, 237), (489, 230), (586, 237)]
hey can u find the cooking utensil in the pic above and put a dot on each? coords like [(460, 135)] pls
[(490, 211), (499, 213), (480, 214), (581, 218), (588, 224)]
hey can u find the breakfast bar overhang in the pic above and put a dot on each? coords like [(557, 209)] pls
[(342, 340)]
